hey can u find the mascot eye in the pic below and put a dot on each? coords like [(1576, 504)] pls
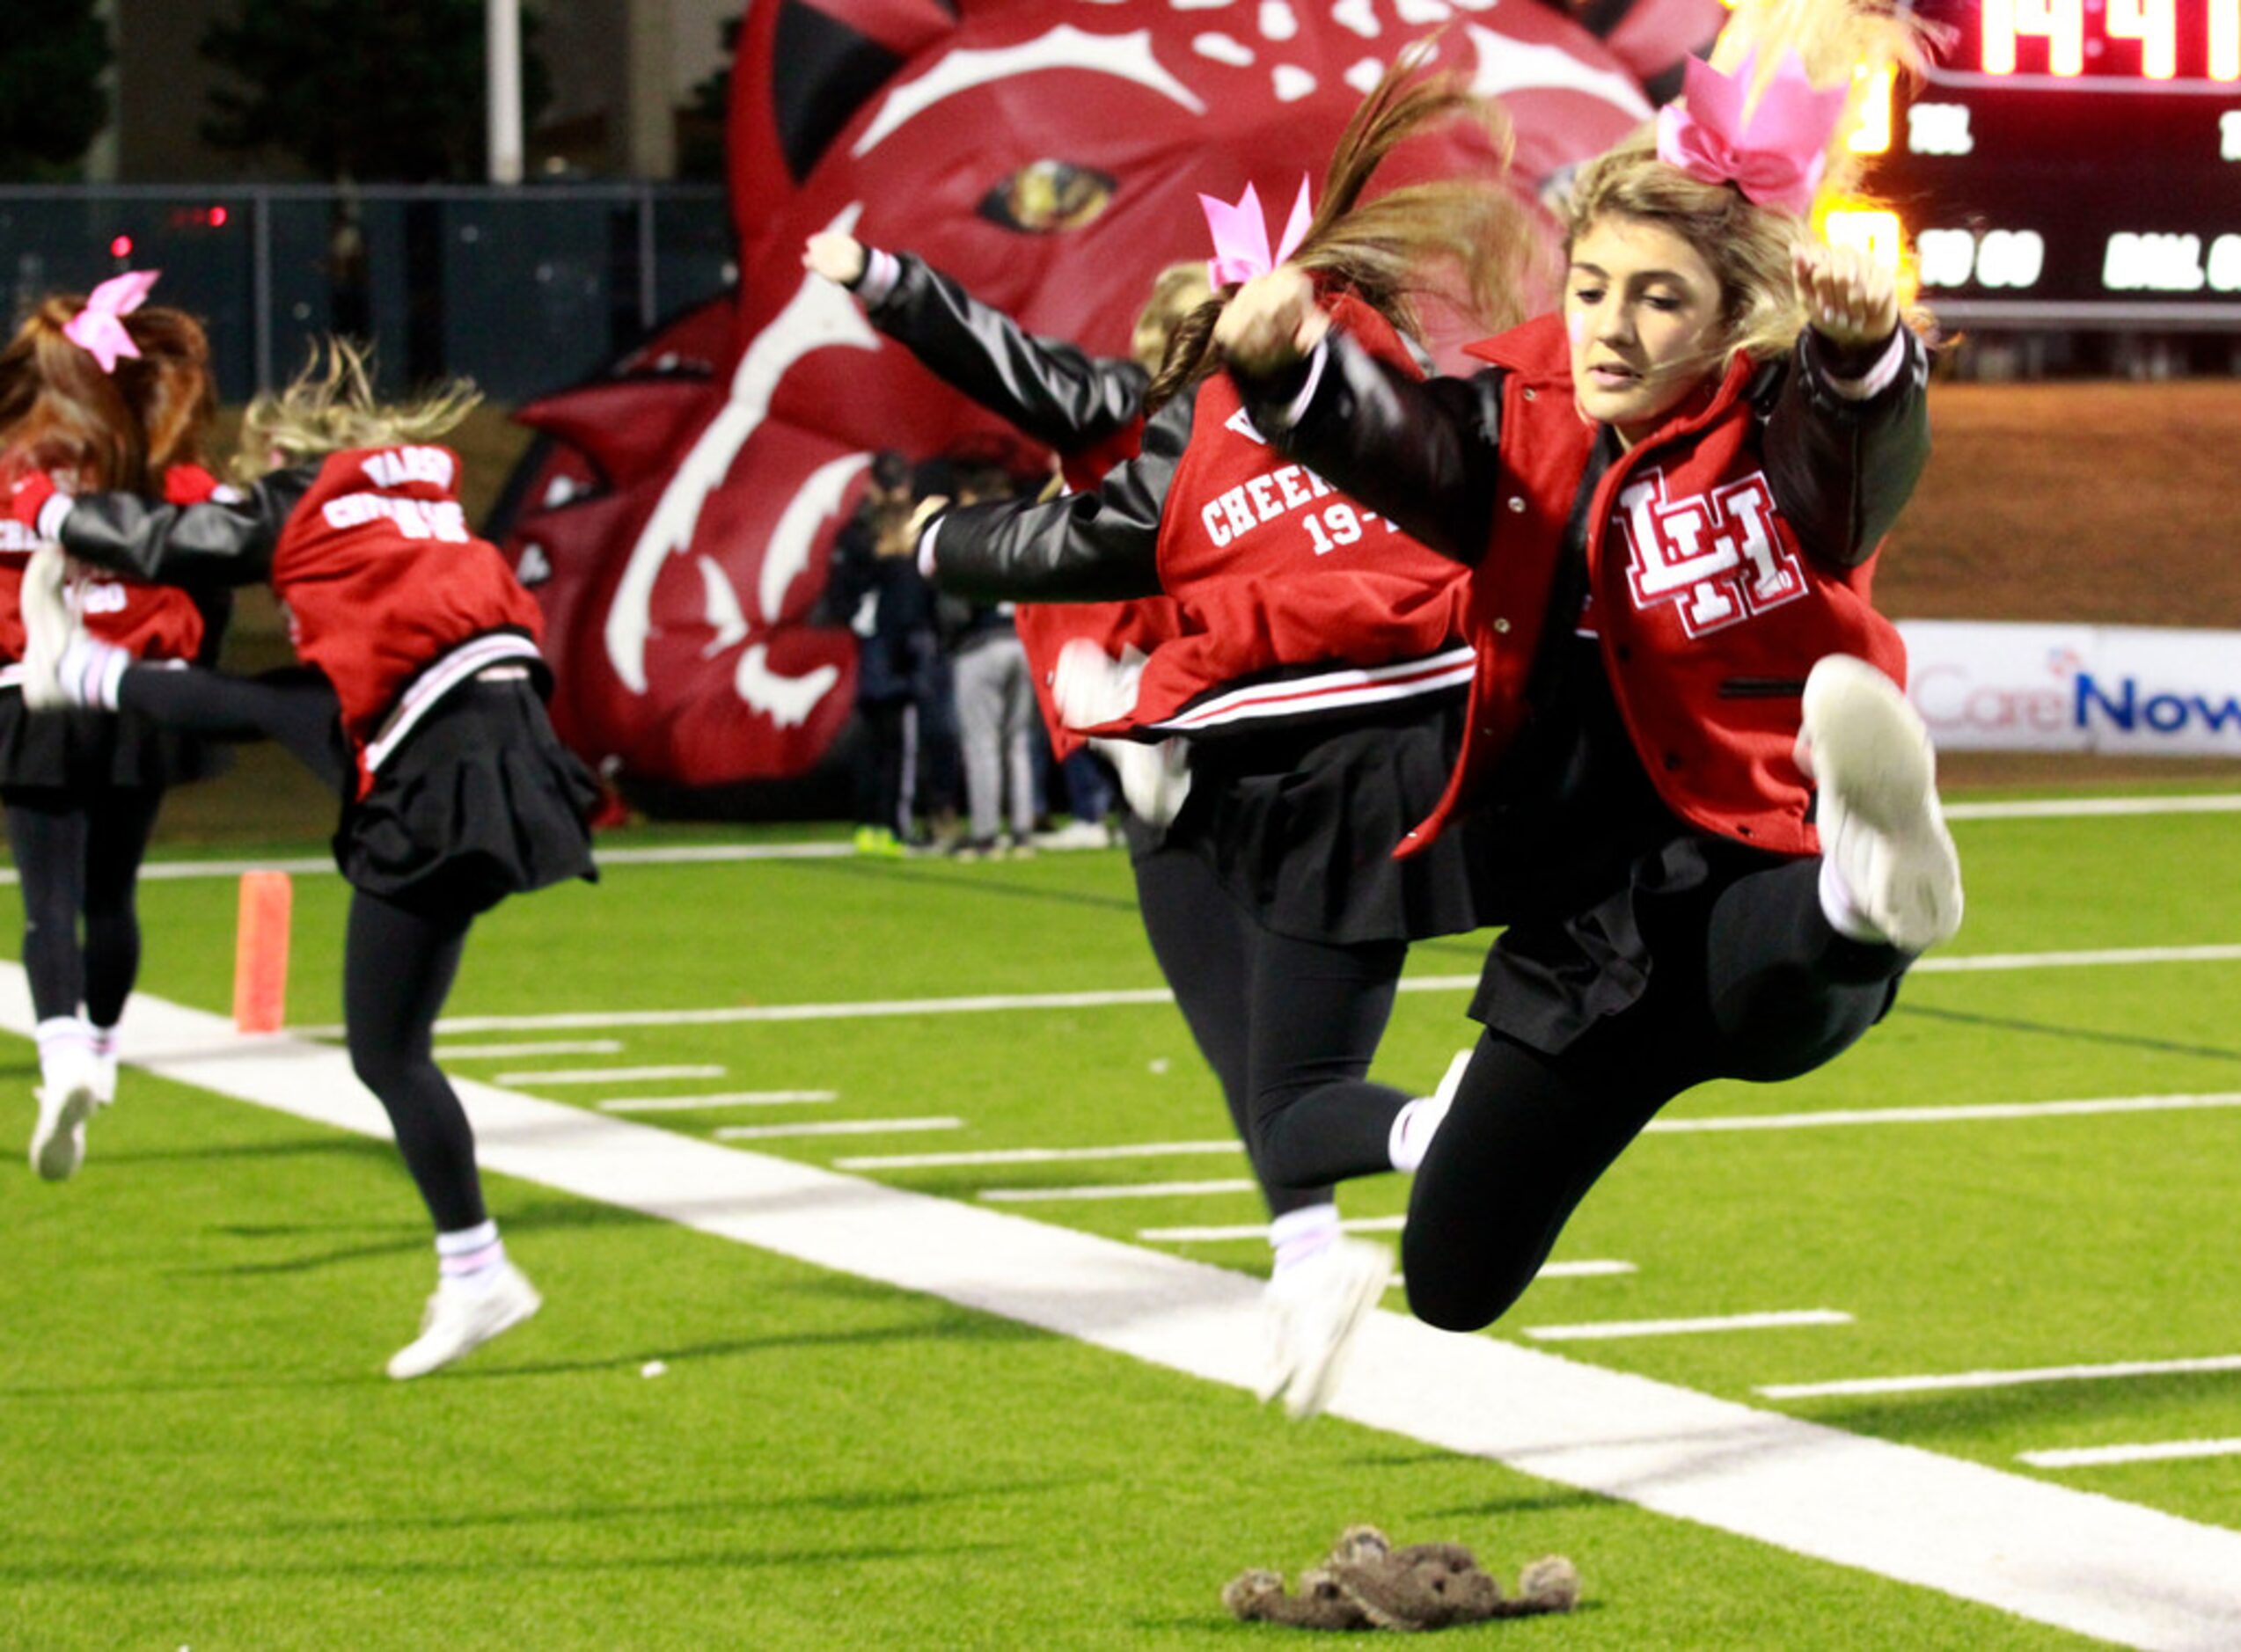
[(1046, 197)]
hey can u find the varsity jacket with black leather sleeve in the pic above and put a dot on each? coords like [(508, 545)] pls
[(1725, 551), (1069, 400)]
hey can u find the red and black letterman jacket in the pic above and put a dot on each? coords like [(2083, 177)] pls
[(149, 622), (388, 592), (1726, 553), (1086, 409), (1297, 602)]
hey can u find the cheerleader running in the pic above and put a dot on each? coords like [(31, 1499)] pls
[(1710, 810), (430, 689), (103, 392), (1317, 678)]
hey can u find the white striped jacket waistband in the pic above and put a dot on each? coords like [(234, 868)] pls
[(440, 679), (1347, 688)]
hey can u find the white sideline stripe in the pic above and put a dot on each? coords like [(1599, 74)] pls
[(1959, 1114), (2082, 807), (693, 854), (1608, 1330), (2001, 1378), (834, 1126), (1128, 1190), (609, 1075), (563, 1047), (2091, 1564), (2094, 1456), (1039, 1155), (869, 1009), (730, 1099), (653, 855)]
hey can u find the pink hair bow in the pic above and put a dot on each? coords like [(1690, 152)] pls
[(1242, 236), (98, 328), (1776, 154)]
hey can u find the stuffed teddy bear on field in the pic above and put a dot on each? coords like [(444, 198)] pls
[(1367, 1583)]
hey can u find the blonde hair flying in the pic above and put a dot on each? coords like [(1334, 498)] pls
[(331, 407)]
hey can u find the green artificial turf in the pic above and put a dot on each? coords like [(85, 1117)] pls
[(201, 1450)]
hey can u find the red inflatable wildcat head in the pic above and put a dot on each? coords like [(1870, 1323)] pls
[(1047, 153)]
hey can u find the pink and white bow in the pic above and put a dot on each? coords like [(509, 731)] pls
[(1242, 236), (98, 328), (1776, 154)]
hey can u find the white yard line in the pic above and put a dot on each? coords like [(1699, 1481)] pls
[(2092, 1564), (2087, 807), (990, 1004), (1963, 1114), (1260, 1230), (1126, 1190), (1558, 1270), (2113, 1370), (834, 1126), (700, 1103), (609, 1075), (2105, 957), (558, 1047), (1611, 1330), (1039, 1155), (2099, 1456)]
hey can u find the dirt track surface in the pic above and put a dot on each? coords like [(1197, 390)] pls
[(2117, 503)]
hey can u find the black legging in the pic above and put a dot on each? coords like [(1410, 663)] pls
[(1276, 1018), (398, 963), (295, 708), (398, 966), (884, 764), (1761, 988), (77, 858)]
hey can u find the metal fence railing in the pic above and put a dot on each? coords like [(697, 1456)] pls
[(524, 290)]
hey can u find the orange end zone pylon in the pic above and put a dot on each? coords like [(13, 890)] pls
[(260, 953)]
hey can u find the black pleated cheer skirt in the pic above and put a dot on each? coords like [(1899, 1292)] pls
[(480, 802), (1300, 825), (88, 751)]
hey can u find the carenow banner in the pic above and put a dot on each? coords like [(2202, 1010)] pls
[(2129, 689)]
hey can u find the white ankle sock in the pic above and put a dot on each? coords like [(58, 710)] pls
[(1299, 1236), (105, 1042), (472, 1254), (1843, 913), (61, 1036)]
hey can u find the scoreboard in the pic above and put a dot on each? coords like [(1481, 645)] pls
[(2073, 163)]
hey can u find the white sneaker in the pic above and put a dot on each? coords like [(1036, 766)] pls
[(1881, 829), (104, 1080), (68, 1093), (48, 626), (1315, 1310), (462, 1315)]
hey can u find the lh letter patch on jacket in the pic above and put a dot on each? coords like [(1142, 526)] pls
[(1716, 556)]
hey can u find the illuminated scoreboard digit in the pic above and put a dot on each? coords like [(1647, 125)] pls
[(2073, 163)]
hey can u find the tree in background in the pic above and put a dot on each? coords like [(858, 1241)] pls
[(701, 123), (52, 103), (388, 91)]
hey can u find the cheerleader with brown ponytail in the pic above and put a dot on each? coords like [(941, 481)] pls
[(102, 390)]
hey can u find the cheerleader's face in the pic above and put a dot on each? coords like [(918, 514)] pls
[(1642, 310)]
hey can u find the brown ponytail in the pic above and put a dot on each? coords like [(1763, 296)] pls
[(60, 411), (1463, 240)]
